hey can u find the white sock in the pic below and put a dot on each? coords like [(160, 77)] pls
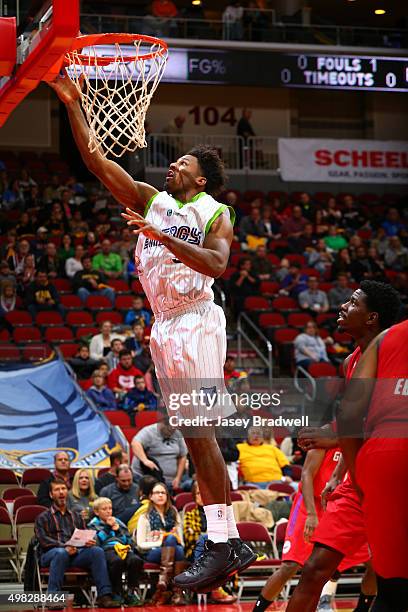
[(217, 528), (232, 526), (329, 588)]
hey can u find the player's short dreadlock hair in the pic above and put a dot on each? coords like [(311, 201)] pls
[(212, 168), (383, 299)]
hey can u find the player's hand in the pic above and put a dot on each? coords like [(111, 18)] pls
[(145, 227), (65, 88), (327, 491), (316, 437), (310, 525)]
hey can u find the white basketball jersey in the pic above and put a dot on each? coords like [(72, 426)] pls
[(167, 282)]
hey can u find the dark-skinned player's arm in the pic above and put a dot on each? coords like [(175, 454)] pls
[(211, 259), (312, 463), (121, 185), (354, 405), (335, 479)]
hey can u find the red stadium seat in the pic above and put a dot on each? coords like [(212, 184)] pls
[(182, 499), (49, 318), (19, 317), (9, 352), (268, 288), (274, 259), (129, 432), (285, 304), (71, 301), (322, 197), (322, 370), (298, 319), (78, 318), (295, 258), (228, 273), (325, 316), (342, 337), (124, 302), (34, 476), (85, 384), (118, 417), (58, 334), (120, 286), (98, 302), (235, 258), (136, 287), (247, 487), (69, 349), (143, 419), (12, 493), (310, 272), (4, 335), (62, 285), (26, 334), (253, 194), (109, 315), (280, 195), (281, 487), (326, 287), (36, 352), (256, 303), (272, 319), (285, 335), (323, 333), (296, 472), (82, 332), (7, 479)]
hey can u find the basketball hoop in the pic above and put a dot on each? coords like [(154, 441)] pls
[(121, 73)]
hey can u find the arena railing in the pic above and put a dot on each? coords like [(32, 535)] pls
[(258, 154), (246, 332), (271, 31)]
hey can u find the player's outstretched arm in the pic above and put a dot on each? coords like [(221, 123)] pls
[(314, 459), (210, 260), (121, 185)]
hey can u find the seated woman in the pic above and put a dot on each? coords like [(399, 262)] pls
[(309, 347), (113, 536), (82, 494), (159, 537), (195, 535)]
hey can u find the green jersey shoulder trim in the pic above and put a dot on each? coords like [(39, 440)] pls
[(150, 202), (217, 213)]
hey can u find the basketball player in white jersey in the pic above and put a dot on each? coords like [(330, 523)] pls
[(183, 244)]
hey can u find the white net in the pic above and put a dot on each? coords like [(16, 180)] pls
[(118, 87)]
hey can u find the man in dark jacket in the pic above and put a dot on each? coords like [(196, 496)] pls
[(41, 295), (88, 282), (62, 465)]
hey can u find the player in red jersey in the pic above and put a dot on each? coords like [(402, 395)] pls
[(341, 532), (378, 393)]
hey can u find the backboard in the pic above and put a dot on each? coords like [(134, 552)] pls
[(42, 40)]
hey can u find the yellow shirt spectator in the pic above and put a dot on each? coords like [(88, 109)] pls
[(260, 462)]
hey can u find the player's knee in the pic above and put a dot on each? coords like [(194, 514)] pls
[(289, 569)]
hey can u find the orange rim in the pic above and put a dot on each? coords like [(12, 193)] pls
[(94, 40)]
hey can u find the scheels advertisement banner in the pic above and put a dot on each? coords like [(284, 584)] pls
[(349, 161)]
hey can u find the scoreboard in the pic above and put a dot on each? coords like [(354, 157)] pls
[(344, 72)]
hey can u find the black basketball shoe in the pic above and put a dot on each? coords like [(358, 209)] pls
[(217, 560), (245, 554)]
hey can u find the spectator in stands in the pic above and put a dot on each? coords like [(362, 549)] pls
[(112, 358), (334, 240), (243, 284), (293, 226), (396, 255), (107, 261), (145, 484), (283, 270), (123, 493), (137, 341), (53, 189), (261, 265), (7, 304), (82, 494), (393, 224), (122, 378), (139, 398), (232, 19), (376, 264), (160, 449), (294, 282), (29, 271), (145, 364), (41, 241), (361, 267), (320, 257), (26, 183), (100, 394), (331, 214), (107, 478), (230, 373), (306, 241), (255, 21), (137, 312), (159, 537), (252, 229), (89, 281), (74, 264), (271, 226), (78, 227), (50, 262), (16, 256), (6, 275), (53, 528), (26, 225), (342, 263), (195, 536), (13, 196), (92, 244), (41, 295), (262, 464), (352, 217), (320, 225), (244, 127), (341, 293), (309, 347), (57, 222), (125, 245), (113, 536), (307, 206), (313, 299), (66, 250), (62, 466), (100, 344), (82, 364)]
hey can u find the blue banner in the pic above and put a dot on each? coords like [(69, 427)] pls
[(43, 410)]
